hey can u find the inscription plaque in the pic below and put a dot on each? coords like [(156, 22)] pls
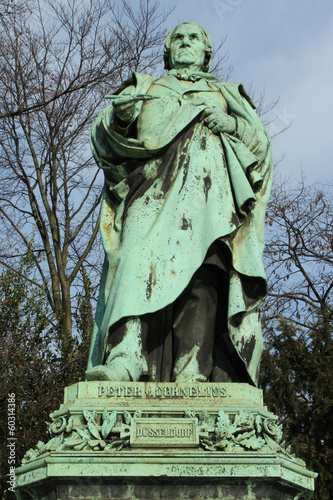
[(164, 433), (162, 391)]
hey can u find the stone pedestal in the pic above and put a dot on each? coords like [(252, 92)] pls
[(139, 441)]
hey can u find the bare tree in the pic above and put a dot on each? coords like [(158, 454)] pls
[(58, 60), (9, 7), (299, 253)]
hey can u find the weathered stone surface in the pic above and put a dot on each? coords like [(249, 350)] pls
[(203, 490), (164, 441)]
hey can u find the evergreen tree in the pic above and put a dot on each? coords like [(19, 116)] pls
[(296, 374), (29, 360)]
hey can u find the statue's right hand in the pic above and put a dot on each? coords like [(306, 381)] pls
[(124, 108)]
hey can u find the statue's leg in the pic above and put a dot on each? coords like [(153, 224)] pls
[(194, 328), (124, 358), (125, 348)]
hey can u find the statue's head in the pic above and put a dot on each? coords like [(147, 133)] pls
[(188, 45)]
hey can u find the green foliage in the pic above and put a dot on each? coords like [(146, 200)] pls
[(25, 331), (296, 374), (33, 364)]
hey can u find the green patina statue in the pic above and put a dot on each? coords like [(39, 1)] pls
[(188, 169)]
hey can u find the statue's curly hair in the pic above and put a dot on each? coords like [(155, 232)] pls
[(207, 40)]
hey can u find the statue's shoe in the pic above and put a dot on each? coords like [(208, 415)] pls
[(116, 373)]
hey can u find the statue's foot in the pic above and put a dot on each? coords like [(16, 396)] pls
[(116, 373)]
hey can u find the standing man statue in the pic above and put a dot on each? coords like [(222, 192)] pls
[(188, 170)]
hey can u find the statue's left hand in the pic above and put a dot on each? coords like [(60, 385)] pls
[(218, 121)]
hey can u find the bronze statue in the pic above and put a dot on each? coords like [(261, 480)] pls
[(188, 170)]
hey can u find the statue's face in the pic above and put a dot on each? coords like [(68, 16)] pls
[(187, 48)]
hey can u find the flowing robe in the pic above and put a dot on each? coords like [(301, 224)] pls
[(172, 189)]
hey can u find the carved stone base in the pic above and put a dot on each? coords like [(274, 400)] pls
[(163, 441)]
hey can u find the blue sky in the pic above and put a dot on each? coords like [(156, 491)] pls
[(284, 47)]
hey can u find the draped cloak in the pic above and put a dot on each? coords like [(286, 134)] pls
[(172, 189)]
